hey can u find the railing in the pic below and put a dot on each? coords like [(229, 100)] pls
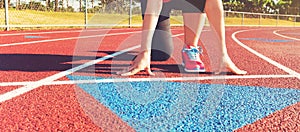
[(127, 16), (261, 19)]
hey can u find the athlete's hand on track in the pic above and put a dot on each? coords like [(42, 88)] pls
[(141, 62)]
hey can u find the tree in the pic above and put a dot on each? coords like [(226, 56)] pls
[(104, 4), (92, 1), (17, 4), (48, 4), (2, 3), (233, 5), (56, 5), (296, 5), (62, 4), (80, 5)]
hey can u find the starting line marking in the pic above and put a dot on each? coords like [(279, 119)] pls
[(112, 80)]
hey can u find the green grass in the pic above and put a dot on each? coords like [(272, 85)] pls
[(31, 17)]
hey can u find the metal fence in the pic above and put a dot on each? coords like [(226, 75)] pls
[(261, 19), (120, 13)]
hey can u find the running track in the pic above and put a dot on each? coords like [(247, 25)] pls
[(64, 81)]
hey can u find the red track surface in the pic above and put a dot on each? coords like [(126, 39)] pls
[(56, 107)]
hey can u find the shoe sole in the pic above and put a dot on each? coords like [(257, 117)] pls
[(187, 70), (201, 70)]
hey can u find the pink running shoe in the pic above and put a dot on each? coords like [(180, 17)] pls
[(191, 59)]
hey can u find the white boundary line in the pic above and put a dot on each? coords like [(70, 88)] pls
[(292, 33), (278, 34), (62, 39), (278, 65), (148, 79)]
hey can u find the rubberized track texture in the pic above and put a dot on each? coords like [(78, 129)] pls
[(64, 80)]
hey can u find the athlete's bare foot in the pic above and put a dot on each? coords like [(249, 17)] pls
[(231, 67)]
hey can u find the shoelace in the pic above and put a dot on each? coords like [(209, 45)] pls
[(194, 52)]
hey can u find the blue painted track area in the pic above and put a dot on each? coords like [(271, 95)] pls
[(267, 40), (32, 37), (188, 106)]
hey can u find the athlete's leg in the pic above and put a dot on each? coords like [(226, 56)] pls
[(193, 25), (215, 14), (162, 44), (193, 19)]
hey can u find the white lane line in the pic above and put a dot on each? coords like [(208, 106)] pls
[(278, 65), (62, 39), (149, 79), (278, 34), (49, 32), (70, 38), (291, 33), (48, 80)]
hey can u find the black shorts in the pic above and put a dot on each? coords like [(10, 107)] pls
[(187, 6)]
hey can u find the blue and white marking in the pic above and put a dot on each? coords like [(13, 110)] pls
[(178, 106)]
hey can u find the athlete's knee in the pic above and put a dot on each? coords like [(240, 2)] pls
[(162, 45), (163, 24)]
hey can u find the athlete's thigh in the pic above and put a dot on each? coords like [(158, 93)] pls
[(188, 6)]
